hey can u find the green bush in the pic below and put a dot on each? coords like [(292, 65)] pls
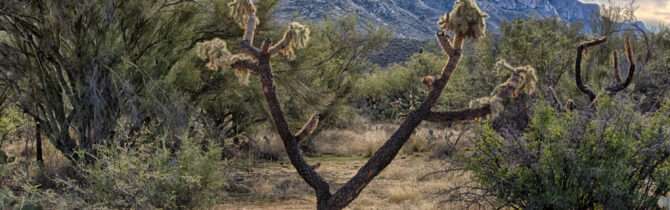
[(392, 92), (615, 159), (152, 176)]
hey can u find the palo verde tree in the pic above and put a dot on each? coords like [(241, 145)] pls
[(81, 67), (466, 21)]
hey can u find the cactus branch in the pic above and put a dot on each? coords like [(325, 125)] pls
[(619, 86), (250, 31), (246, 64), (383, 157), (445, 43), (247, 47), (283, 44), (265, 48), (308, 128), (615, 64), (290, 142), (578, 65)]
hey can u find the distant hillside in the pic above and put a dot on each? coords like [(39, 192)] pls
[(416, 19), (400, 50)]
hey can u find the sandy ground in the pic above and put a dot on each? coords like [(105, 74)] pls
[(400, 186)]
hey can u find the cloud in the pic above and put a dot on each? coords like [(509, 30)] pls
[(651, 12)]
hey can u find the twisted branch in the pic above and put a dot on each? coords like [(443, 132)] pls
[(578, 65)]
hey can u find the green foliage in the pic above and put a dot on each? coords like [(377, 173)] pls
[(151, 174), (11, 122), (323, 75), (394, 91), (616, 160), (90, 60)]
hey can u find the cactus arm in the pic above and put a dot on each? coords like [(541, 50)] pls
[(578, 66), (284, 43), (615, 65), (250, 31), (246, 64), (619, 86), (445, 43), (308, 128), (265, 48), (247, 47)]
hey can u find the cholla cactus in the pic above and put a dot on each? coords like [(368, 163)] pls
[(521, 79), (525, 82), (466, 20), (216, 53), (495, 103), (296, 37), (241, 10)]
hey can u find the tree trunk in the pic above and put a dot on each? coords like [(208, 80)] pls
[(38, 142)]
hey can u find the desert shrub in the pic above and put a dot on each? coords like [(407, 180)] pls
[(11, 124), (151, 175), (617, 159), (393, 92)]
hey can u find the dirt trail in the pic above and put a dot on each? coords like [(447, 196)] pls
[(277, 186)]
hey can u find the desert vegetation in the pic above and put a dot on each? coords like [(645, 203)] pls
[(217, 105)]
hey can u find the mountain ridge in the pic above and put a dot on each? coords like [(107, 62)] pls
[(416, 19)]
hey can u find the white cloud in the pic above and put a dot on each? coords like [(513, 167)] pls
[(652, 12)]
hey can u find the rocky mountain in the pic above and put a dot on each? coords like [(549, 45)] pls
[(416, 19)]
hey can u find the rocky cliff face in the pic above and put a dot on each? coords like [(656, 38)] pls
[(417, 18)]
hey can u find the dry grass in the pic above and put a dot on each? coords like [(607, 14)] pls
[(55, 164), (399, 194), (364, 142), (401, 186)]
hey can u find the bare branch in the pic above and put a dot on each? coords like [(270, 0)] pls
[(552, 97), (555, 98)]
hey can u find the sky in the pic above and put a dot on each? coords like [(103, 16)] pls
[(652, 12)]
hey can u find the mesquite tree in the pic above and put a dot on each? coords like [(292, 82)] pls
[(466, 21)]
